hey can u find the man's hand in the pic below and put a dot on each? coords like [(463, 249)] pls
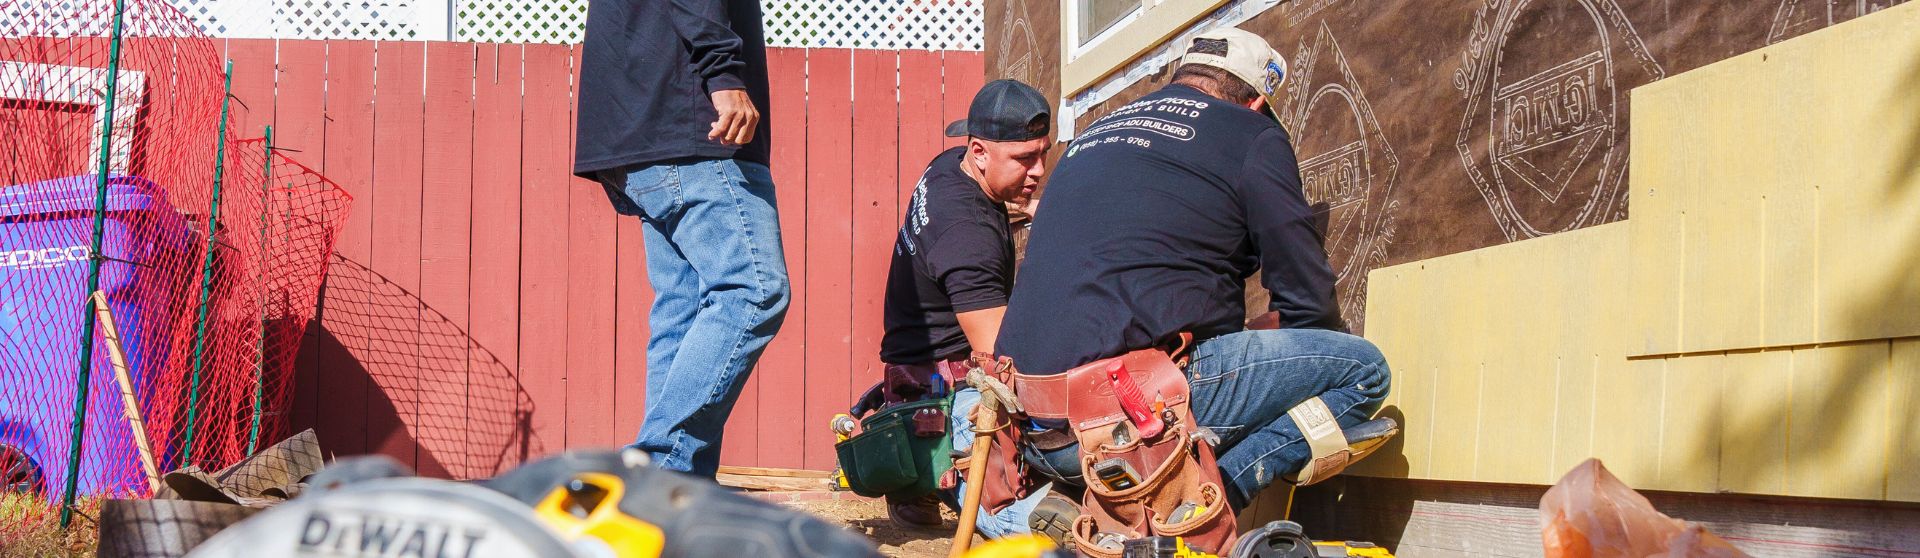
[(738, 118)]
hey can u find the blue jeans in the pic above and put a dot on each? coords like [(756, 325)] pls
[(1244, 383), (719, 280), (1013, 519)]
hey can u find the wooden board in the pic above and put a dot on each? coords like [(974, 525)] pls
[(590, 303), (446, 227), (348, 160), (300, 127), (544, 269), (251, 110), (770, 472), (828, 250), (253, 77), (875, 218), (965, 72), (299, 119), (781, 484), (922, 125), (392, 360), (498, 406), (631, 302), (782, 368)]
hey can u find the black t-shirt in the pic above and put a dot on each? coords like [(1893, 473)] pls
[(1150, 226), (646, 71), (954, 254)]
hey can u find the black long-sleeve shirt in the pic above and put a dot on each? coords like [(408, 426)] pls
[(1150, 226), (646, 71)]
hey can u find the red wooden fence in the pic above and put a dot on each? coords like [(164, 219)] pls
[(486, 307)]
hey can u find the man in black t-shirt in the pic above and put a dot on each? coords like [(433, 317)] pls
[(953, 258), (1157, 214)]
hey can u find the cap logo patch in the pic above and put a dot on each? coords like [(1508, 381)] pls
[(1275, 75)]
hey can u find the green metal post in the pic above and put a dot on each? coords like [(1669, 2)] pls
[(93, 267), (206, 274), (260, 354)]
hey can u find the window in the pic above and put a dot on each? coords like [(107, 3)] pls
[(1096, 16), (1098, 37)]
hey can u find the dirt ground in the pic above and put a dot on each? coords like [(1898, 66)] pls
[(870, 518)]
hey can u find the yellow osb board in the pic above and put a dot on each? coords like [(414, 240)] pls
[(1753, 327)]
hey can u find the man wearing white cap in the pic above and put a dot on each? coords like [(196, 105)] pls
[(1154, 218)]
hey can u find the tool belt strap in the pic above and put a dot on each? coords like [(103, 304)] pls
[(1084, 395)]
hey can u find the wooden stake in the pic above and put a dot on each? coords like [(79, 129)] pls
[(129, 405)]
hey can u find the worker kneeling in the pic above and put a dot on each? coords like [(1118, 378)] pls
[(1127, 327), (947, 288)]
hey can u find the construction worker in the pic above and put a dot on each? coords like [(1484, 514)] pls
[(671, 98), (1154, 219), (953, 260)]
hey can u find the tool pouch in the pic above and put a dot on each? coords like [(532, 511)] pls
[(895, 454), (1160, 483), (1005, 480)]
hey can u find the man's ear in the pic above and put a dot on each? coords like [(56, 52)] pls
[(1258, 102)]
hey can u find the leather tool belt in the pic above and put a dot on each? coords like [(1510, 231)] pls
[(1149, 468)]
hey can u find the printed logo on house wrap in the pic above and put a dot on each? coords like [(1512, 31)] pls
[(1348, 169), (1543, 138), (1796, 17)]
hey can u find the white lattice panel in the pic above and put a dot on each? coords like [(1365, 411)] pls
[(231, 18), (520, 21), (879, 24), (387, 20), (359, 19), (875, 24)]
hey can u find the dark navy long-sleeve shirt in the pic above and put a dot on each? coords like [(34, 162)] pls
[(1157, 215), (646, 71)]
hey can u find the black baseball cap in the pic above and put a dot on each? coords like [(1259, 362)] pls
[(1005, 110)]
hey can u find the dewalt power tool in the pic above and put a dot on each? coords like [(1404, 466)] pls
[(585, 504), (615, 499)]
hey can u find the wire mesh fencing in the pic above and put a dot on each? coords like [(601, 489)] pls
[(108, 183)]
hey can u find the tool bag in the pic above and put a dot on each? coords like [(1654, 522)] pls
[(1149, 469), (901, 451), (1006, 479)]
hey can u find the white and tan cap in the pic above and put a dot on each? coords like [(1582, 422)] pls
[(1248, 57)]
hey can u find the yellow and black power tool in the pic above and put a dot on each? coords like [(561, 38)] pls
[(616, 505)]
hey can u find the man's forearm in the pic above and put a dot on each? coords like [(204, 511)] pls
[(982, 327)]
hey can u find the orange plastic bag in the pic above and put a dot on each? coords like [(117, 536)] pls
[(1591, 514)]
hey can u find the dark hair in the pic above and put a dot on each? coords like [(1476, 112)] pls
[(1217, 82), (1214, 80)]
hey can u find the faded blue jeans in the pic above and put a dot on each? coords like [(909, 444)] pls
[(720, 291), (1244, 383)]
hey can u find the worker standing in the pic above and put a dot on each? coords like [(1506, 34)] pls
[(672, 97)]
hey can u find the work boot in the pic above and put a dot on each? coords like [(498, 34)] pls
[(1053, 518), (920, 513)]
